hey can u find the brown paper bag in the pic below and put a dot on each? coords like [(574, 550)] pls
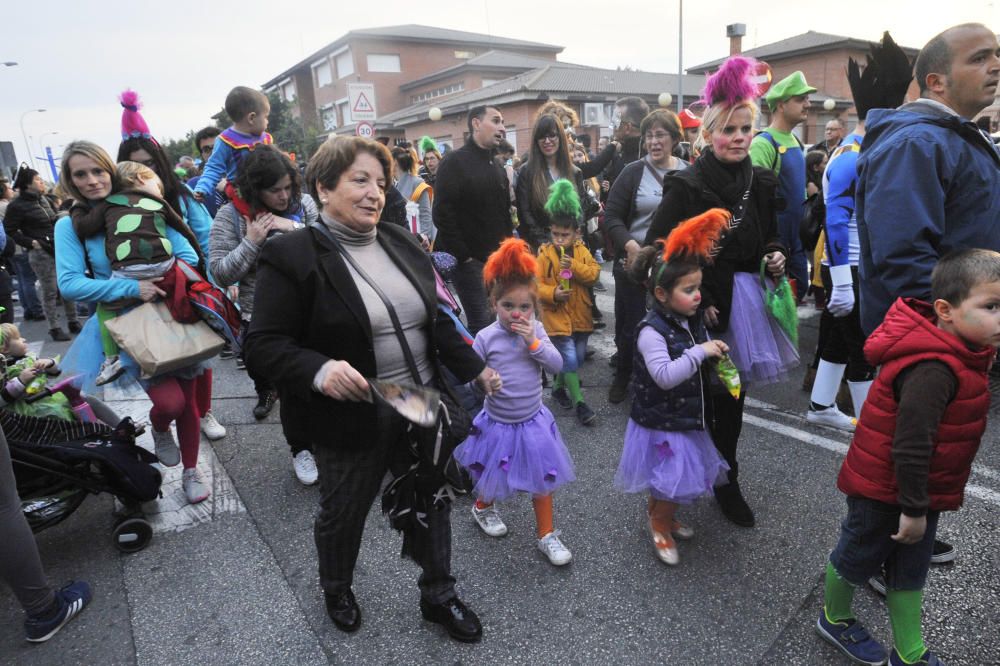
[(158, 343)]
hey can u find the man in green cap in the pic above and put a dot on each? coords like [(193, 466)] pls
[(776, 148)]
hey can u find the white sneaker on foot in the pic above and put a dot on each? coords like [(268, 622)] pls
[(832, 417), (194, 489), (681, 531), (554, 549), (166, 448), (211, 427), (305, 467), (489, 520), (111, 369)]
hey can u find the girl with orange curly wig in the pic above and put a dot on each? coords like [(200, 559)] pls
[(668, 452), (514, 444)]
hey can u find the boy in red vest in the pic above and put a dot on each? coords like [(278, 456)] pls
[(912, 451)]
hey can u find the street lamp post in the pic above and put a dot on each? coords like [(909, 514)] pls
[(24, 135)]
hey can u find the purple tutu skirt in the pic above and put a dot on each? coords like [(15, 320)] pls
[(504, 458), (675, 466), (762, 352)]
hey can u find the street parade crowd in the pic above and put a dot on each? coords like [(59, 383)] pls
[(413, 313)]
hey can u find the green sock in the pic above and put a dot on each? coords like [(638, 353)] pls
[(557, 381), (837, 596), (572, 380), (107, 342), (904, 615)]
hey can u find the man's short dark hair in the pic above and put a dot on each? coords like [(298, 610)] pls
[(958, 272), (478, 112), (635, 110), (242, 101), (935, 57), (206, 133)]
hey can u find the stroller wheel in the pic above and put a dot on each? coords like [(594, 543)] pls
[(132, 535)]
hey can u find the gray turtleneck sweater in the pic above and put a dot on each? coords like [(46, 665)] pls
[(372, 257)]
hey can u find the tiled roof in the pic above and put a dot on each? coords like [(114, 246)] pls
[(493, 59), (432, 34)]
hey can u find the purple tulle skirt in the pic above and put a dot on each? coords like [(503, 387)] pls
[(675, 466), (504, 458), (760, 349)]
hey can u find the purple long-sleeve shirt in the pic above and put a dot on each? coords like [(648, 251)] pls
[(520, 397), (667, 372)]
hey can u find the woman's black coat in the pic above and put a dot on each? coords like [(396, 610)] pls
[(308, 310)]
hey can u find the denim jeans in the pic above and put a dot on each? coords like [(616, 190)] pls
[(866, 545), (468, 281), (572, 348), (26, 291)]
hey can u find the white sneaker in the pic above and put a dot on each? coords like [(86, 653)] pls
[(194, 489), (682, 531), (166, 448), (832, 417), (111, 369), (211, 427), (554, 549), (305, 467), (489, 520)]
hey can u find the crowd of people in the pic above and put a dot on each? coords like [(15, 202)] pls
[(345, 281)]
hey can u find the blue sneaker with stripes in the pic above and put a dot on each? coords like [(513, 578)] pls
[(70, 600)]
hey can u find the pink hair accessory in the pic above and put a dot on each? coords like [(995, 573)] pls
[(732, 83), (133, 124)]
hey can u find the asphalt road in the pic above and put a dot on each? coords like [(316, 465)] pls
[(235, 581)]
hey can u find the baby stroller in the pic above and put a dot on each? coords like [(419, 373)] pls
[(57, 463)]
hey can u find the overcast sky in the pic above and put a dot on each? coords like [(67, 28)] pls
[(183, 56)]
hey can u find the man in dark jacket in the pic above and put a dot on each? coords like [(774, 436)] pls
[(472, 209), (928, 178), (629, 112)]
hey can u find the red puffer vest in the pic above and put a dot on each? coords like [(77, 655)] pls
[(907, 336)]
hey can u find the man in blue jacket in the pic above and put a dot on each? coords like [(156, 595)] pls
[(928, 178)]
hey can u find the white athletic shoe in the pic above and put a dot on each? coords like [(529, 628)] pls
[(305, 467), (554, 549), (211, 427), (489, 520), (832, 417), (111, 369), (194, 489)]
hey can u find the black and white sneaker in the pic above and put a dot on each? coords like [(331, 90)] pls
[(70, 600), (942, 553)]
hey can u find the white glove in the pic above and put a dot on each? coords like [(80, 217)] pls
[(841, 300)]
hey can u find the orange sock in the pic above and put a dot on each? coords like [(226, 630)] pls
[(543, 514), (661, 515), (480, 504)]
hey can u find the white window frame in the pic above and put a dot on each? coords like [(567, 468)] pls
[(345, 113), (384, 63), (327, 108), (337, 55), (284, 94), (317, 67)]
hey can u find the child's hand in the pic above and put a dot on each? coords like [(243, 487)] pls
[(525, 328), (199, 197), (44, 363), (911, 529), (27, 375), (714, 348), (489, 381), (561, 295), (566, 262)]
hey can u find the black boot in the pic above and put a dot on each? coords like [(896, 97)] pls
[(343, 609), (733, 506), (265, 403), (59, 335), (74, 327)]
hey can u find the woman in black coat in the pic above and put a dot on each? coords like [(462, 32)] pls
[(321, 328), (732, 300)]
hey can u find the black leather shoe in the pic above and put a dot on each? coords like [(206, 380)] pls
[(344, 611), (265, 403), (59, 335), (733, 506), (619, 390), (74, 327), (458, 619)]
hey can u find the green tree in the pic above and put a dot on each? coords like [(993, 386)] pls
[(288, 131), (175, 148)]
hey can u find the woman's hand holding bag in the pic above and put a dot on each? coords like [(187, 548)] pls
[(780, 301)]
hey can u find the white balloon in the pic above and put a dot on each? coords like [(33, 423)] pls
[(829, 104), (665, 99), (434, 113)]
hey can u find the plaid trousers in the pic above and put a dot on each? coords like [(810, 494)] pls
[(350, 477)]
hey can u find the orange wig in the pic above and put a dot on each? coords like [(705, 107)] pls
[(697, 237), (512, 263)]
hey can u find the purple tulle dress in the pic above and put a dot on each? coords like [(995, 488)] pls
[(504, 458), (762, 352), (674, 466)]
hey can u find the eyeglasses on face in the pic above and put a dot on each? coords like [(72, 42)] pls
[(657, 136)]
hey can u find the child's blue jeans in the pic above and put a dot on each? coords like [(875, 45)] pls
[(572, 348)]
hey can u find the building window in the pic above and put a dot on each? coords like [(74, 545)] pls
[(444, 142), (323, 75), (511, 136), (328, 115), (378, 62), (438, 92), (465, 55), (490, 82), (345, 64), (344, 111), (288, 91)]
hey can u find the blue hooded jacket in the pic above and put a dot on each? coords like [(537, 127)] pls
[(928, 183)]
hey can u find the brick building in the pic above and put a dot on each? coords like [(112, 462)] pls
[(823, 59)]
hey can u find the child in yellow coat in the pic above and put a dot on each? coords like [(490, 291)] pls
[(566, 270)]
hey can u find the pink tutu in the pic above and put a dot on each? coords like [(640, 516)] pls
[(504, 458), (760, 349), (676, 466)]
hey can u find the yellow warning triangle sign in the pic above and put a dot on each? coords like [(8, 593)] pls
[(363, 105)]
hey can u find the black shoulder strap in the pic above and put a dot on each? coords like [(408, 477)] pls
[(649, 167), (407, 352)]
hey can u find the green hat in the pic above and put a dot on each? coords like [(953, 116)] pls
[(792, 85)]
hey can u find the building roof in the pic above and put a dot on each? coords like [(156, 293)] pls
[(419, 33), (491, 60), (808, 42), (568, 82)]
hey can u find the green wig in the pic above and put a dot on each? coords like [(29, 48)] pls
[(564, 202), (427, 145)]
